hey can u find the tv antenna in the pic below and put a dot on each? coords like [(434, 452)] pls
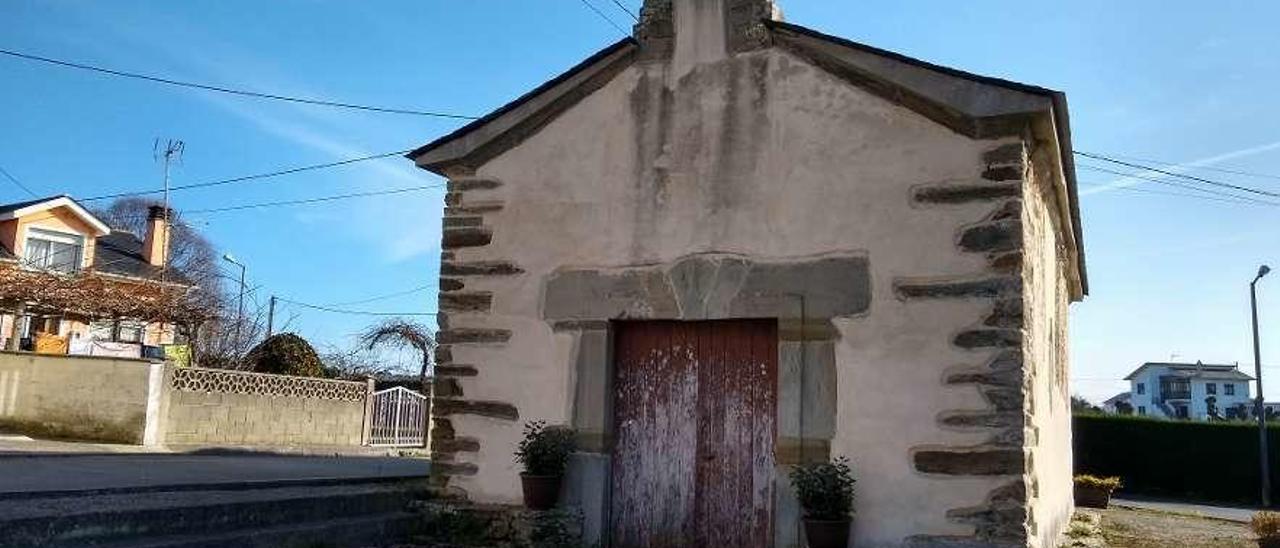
[(170, 152)]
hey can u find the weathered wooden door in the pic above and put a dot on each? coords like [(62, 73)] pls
[(694, 415)]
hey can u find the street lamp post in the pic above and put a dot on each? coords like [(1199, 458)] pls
[(239, 307), (1258, 408)]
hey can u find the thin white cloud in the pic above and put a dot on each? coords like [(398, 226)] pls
[(395, 227), (1135, 179)]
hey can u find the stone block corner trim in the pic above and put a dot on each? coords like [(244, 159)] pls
[(443, 407), (970, 461), (943, 288), (467, 335), (963, 193)]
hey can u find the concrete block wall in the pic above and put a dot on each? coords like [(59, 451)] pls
[(140, 402), (236, 408), (203, 418), (93, 398)]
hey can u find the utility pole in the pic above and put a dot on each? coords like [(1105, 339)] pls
[(271, 316), (1258, 407)]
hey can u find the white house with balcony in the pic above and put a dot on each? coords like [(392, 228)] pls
[(1197, 391)]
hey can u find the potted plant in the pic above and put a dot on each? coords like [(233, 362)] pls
[(544, 452), (1267, 526), (1094, 491), (825, 492)]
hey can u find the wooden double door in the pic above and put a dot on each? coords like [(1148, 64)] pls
[(695, 410)]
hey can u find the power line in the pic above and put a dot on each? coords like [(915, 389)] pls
[(17, 183), (1176, 184), (244, 178), (602, 15), (317, 200), (387, 296), (1172, 193), (1202, 168), (354, 312), (625, 10), (1175, 174), (232, 91)]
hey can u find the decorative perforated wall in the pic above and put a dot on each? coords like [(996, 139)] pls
[(240, 382)]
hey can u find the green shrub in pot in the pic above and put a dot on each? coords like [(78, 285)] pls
[(1095, 491), (825, 492), (544, 451)]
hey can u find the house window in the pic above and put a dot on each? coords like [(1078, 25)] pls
[(1229, 388), (130, 331), (1211, 388), (55, 251), (1142, 409), (1142, 388), (35, 325)]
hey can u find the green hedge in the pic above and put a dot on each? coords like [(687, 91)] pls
[(1212, 461)]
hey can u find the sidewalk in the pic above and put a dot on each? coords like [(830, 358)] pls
[(19, 445)]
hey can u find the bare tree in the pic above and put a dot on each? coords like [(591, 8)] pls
[(354, 364), (400, 333), (196, 259), (190, 253)]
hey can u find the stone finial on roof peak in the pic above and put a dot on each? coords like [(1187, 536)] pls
[(703, 30)]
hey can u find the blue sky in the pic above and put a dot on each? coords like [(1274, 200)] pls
[(1172, 82)]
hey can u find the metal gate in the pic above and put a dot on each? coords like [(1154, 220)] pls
[(399, 418)]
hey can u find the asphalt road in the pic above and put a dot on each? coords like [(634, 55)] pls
[(1230, 513), (41, 473)]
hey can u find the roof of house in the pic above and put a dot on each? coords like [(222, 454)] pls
[(970, 104), (1123, 396), (117, 252), (21, 209), (120, 253), (1203, 370)]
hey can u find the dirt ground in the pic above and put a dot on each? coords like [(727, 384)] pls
[(1133, 528)]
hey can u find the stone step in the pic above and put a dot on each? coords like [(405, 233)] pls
[(98, 520)]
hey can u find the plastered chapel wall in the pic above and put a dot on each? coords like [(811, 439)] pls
[(1045, 299), (765, 156)]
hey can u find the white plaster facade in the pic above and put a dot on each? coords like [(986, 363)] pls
[(1183, 390), (943, 390)]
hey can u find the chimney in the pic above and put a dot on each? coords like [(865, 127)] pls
[(155, 247), (693, 32)]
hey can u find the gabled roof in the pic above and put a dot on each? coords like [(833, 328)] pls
[(1123, 396), (977, 106), (120, 253), (526, 114), (22, 209), (1206, 370)]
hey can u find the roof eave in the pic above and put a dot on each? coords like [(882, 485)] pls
[(99, 227), (493, 133), (1051, 108)]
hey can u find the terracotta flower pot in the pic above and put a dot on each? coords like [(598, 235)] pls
[(540, 492), (1272, 542), (1092, 497), (827, 534)]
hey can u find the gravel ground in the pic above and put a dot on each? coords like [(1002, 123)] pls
[(1138, 528)]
